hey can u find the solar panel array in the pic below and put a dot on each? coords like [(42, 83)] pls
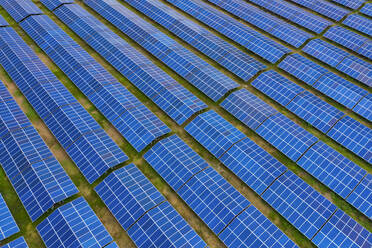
[(143, 212), (294, 14), (8, 226), (132, 119), (18, 243), (35, 174), (211, 197), (261, 19), (231, 28), (231, 58), (74, 225)]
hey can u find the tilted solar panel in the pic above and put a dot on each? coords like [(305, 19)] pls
[(53, 4), (73, 225), (214, 133), (8, 226), (357, 68), (20, 9), (325, 52), (364, 107), (331, 168), (3, 22), (18, 243), (360, 23), (367, 9), (353, 4), (361, 197)]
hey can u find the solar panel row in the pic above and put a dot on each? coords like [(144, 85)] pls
[(212, 198), (231, 28), (351, 40), (8, 226), (93, 151), (330, 84), (360, 23), (196, 71), (327, 165), (324, 8), (18, 243), (341, 60), (267, 22), (294, 14), (367, 9), (35, 174), (143, 212), (352, 4), (74, 225), (133, 120), (231, 58)]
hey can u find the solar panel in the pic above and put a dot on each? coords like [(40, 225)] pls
[(367, 9), (238, 32), (3, 22), (214, 84), (253, 229), (328, 83), (361, 197), (143, 212), (214, 132), (342, 230), (20, 9), (357, 68), (175, 161), (73, 225), (200, 38), (65, 117), (277, 87), (353, 4), (286, 136), (294, 14), (299, 203), (360, 23), (248, 108), (364, 107), (261, 19), (322, 7), (354, 136), (331, 168), (8, 226), (252, 164), (53, 4), (18, 243)]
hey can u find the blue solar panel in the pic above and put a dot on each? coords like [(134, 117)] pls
[(214, 132), (18, 243), (175, 161), (360, 23), (342, 231), (3, 22), (322, 7), (264, 21), (294, 14), (143, 211), (252, 229), (364, 107), (299, 203), (53, 4), (277, 87), (357, 68), (361, 198), (350, 39), (252, 164), (328, 83), (353, 4), (286, 136), (238, 32), (200, 38), (8, 226), (20, 9), (248, 108), (354, 136), (74, 225), (65, 117), (367, 9), (331, 168)]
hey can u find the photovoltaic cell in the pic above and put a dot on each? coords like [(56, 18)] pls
[(331, 168), (299, 203), (341, 230), (286, 136), (200, 38), (354, 136), (175, 161), (215, 133), (18, 243), (248, 108), (361, 198), (20, 9), (360, 23), (8, 225), (74, 225)]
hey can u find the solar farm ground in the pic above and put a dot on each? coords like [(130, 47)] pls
[(28, 229)]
